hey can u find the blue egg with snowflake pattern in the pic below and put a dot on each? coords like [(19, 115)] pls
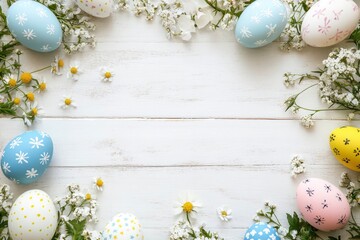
[(261, 23), (26, 157), (261, 231), (34, 26)]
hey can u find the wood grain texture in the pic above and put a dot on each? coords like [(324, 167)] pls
[(204, 117)]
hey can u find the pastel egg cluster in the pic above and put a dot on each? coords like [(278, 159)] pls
[(33, 216), (26, 157)]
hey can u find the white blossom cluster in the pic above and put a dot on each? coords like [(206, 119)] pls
[(183, 230), (77, 207), (6, 202), (352, 193), (297, 165), (291, 36), (183, 18), (77, 27)]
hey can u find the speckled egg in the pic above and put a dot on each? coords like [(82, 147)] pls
[(345, 145), (123, 226), (33, 216), (329, 22), (322, 204), (261, 23), (26, 157), (34, 26), (261, 231), (96, 8)]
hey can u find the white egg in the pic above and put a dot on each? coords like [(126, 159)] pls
[(124, 226), (96, 8), (33, 216), (329, 22)]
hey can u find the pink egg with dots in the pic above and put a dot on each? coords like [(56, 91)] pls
[(322, 204)]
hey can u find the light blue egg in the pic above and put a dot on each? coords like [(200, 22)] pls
[(26, 157), (261, 23), (261, 231), (34, 26)]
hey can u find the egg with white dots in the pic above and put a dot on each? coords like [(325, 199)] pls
[(27, 156), (34, 26), (33, 216), (261, 231), (124, 226), (96, 8), (261, 23)]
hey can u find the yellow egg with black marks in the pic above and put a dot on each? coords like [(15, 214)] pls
[(345, 145)]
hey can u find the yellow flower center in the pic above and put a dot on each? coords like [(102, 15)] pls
[(30, 96), (73, 70), (34, 111), (88, 196), (17, 101), (108, 75), (42, 86), (188, 207), (26, 77), (99, 182), (67, 101), (60, 63), (12, 82), (224, 213)]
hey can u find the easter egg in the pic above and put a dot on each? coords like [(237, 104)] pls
[(261, 23), (33, 216), (345, 145), (328, 22), (322, 204), (96, 8), (261, 231), (34, 26), (123, 226), (26, 157)]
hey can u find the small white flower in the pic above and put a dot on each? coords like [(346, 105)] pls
[(202, 19), (99, 183), (187, 206), (297, 165), (307, 121), (224, 213), (74, 71), (57, 65), (67, 102), (106, 74)]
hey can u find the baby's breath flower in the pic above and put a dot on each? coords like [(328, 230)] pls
[(307, 121), (297, 166)]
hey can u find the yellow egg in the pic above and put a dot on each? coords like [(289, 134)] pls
[(345, 145)]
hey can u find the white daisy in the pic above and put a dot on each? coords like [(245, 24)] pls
[(99, 183), (57, 65), (67, 102), (74, 71), (224, 213), (10, 79), (106, 74), (187, 206)]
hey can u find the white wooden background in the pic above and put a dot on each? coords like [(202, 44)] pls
[(204, 117)]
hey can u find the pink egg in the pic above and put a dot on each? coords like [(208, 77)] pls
[(322, 204)]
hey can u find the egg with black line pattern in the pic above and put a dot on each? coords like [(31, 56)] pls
[(33, 216)]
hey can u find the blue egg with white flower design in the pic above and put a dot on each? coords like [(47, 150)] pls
[(261, 231), (34, 26), (26, 157), (261, 23)]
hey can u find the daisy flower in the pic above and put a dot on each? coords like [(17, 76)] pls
[(187, 206), (74, 71), (41, 86), (57, 66), (67, 102), (106, 74), (99, 183), (26, 77), (30, 96), (224, 213), (35, 110), (10, 80)]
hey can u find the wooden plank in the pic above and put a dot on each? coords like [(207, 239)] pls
[(137, 142)]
